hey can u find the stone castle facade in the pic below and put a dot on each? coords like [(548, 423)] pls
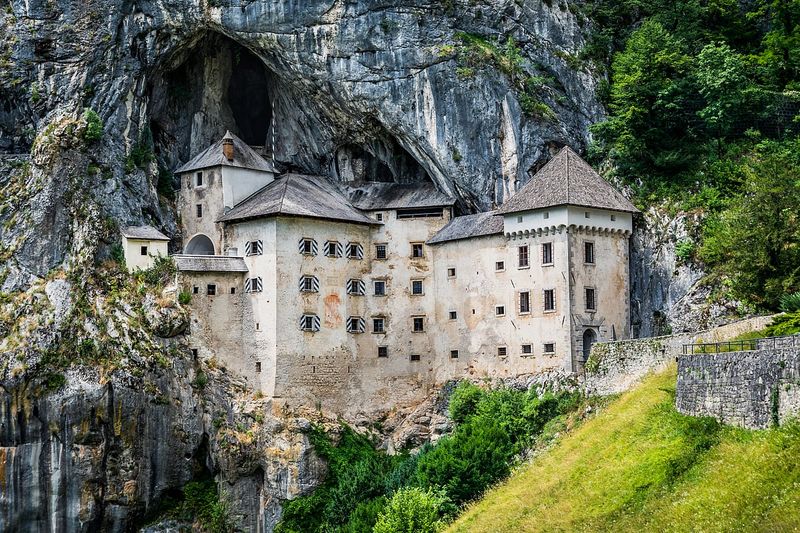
[(363, 296)]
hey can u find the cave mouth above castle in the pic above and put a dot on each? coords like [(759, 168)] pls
[(212, 85)]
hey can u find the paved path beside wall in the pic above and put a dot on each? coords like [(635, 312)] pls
[(614, 367)]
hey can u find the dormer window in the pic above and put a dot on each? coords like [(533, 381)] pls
[(198, 179)]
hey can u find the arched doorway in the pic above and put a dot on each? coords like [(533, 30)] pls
[(200, 245), (589, 338)]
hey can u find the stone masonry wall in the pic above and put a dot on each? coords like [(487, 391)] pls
[(614, 367), (753, 389)]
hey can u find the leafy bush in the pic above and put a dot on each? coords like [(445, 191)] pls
[(788, 324), (161, 273), (94, 125), (413, 510), (464, 401), (790, 303), (184, 297), (684, 250)]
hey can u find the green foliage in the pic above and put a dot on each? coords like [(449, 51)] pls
[(184, 297), (200, 381), (787, 324), (94, 125), (118, 254), (161, 273), (165, 185), (413, 510), (53, 381), (198, 501), (142, 153), (790, 303), (684, 250), (464, 401)]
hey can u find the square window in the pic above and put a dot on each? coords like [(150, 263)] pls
[(211, 289), (522, 253), (453, 315), (378, 325), (379, 287), (199, 210), (383, 351), (415, 357), (355, 324), (549, 300), (258, 367), (355, 287), (613, 218), (586, 214), (451, 272), (332, 249), (199, 179), (419, 324), (379, 217), (195, 290), (308, 246), (591, 303), (453, 354), (500, 310), (417, 287), (519, 219), (549, 347), (588, 253), (547, 253), (354, 251), (380, 251), (309, 323), (233, 290), (524, 302), (143, 250), (546, 215), (417, 251), (527, 349), (502, 351), (499, 266)]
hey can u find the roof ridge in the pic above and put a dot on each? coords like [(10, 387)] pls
[(283, 194)]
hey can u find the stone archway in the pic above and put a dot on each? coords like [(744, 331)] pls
[(589, 338), (200, 245)]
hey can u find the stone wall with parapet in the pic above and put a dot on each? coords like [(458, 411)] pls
[(614, 367), (752, 389)]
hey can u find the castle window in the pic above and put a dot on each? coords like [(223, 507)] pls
[(199, 210), (356, 287), (588, 252), (332, 249), (355, 324), (499, 266), (549, 300), (195, 353), (307, 246), (211, 289), (418, 324), (379, 287), (524, 302), (613, 218), (519, 219), (546, 215), (453, 315), (591, 303), (195, 290), (253, 248), (379, 217), (417, 287), (522, 252), (500, 310), (355, 251), (143, 250), (309, 322), (549, 347), (380, 251), (586, 214), (527, 349), (198, 179), (378, 325), (547, 253), (417, 250), (415, 357), (451, 272), (383, 351), (258, 367), (502, 351), (453, 354), (309, 284), (253, 285), (233, 290)]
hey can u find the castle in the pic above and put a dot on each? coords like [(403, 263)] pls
[(361, 296)]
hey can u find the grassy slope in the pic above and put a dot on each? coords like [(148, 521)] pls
[(641, 466)]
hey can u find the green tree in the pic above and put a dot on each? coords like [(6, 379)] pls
[(94, 125), (413, 510), (723, 83), (781, 44)]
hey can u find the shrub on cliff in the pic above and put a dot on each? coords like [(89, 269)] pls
[(94, 125), (414, 510)]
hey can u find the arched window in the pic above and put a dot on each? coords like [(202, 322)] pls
[(200, 245)]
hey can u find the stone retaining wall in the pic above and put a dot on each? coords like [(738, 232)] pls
[(613, 367), (753, 389)]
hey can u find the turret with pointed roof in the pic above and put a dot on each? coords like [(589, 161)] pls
[(214, 155)]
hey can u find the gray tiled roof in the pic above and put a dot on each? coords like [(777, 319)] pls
[(148, 233), (378, 195), (469, 226), (298, 195), (567, 180), (243, 157), (209, 263)]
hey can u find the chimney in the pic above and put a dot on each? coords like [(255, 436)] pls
[(227, 146)]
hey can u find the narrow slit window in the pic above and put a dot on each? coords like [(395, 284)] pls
[(199, 210), (199, 179), (591, 303)]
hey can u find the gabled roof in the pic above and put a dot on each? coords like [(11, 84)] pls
[(567, 180), (468, 226), (298, 195), (145, 233), (378, 195), (243, 157), (209, 263)]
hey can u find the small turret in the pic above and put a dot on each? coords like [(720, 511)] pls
[(227, 146)]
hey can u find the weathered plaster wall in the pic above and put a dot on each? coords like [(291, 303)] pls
[(134, 259), (210, 196), (753, 389), (613, 367)]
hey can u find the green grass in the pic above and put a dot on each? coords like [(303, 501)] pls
[(641, 466)]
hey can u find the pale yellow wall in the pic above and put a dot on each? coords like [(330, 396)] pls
[(134, 259)]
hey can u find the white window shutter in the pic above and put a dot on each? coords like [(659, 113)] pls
[(300, 246), (339, 249), (248, 285), (259, 285), (360, 251), (362, 287), (301, 285)]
